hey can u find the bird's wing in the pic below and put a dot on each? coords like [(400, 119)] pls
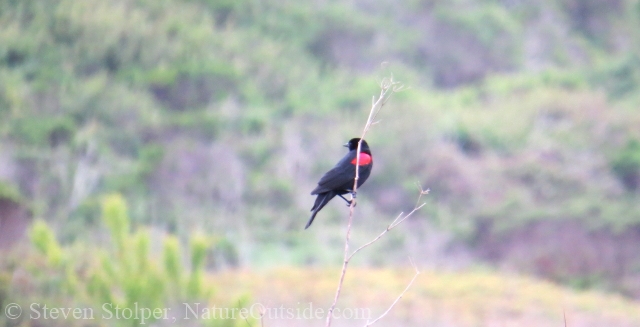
[(338, 176)]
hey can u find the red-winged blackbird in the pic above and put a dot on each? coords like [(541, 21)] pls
[(339, 180)]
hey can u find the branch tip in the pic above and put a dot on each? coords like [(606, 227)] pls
[(387, 84)]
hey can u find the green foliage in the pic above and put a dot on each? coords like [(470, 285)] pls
[(626, 165), (487, 23), (226, 252), (44, 131), (61, 280), (87, 214), (621, 78), (115, 217), (467, 143), (99, 289), (198, 247), (5, 284), (10, 192), (172, 261), (132, 272), (45, 241), (126, 273)]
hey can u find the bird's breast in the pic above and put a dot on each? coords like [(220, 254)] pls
[(365, 159)]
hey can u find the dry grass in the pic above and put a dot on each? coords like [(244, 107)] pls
[(436, 299)]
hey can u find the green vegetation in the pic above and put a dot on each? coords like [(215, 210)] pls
[(10, 192), (124, 274), (219, 116)]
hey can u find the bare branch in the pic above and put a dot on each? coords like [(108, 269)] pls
[(387, 88), (400, 296), (345, 263), (391, 226), (262, 312), (422, 192)]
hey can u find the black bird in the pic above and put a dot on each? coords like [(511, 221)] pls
[(339, 180)]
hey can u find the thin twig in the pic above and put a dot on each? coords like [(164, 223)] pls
[(262, 312), (345, 263), (387, 87), (393, 224), (400, 296), (246, 319)]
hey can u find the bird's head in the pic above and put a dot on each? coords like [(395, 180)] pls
[(353, 144)]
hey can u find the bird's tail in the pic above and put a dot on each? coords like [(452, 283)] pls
[(321, 201)]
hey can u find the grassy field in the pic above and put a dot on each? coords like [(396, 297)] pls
[(461, 299)]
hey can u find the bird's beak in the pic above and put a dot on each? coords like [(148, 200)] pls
[(346, 145)]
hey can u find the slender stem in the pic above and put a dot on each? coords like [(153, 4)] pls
[(345, 263), (387, 85), (399, 297), (391, 226)]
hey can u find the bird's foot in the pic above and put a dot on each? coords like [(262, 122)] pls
[(348, 201), (353, 199)]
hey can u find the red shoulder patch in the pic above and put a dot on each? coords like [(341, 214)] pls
[(365, 159)]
